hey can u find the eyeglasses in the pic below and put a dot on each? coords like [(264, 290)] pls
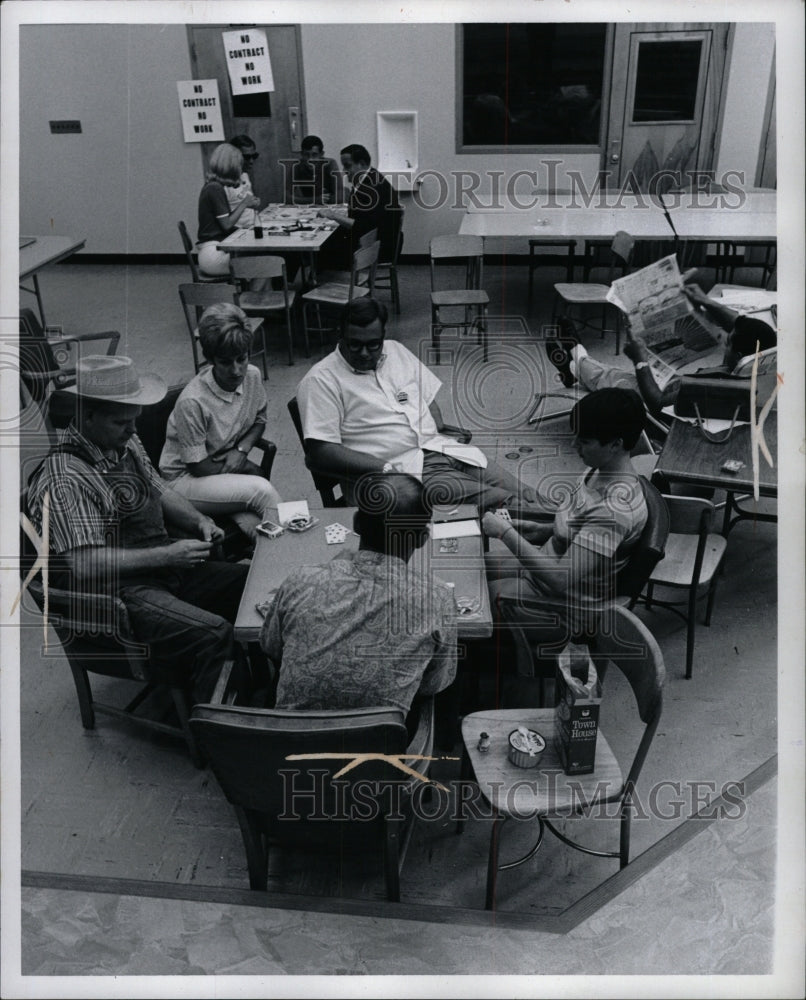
[(251, 156), (371, 345)]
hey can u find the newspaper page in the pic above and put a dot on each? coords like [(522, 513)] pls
[(653, 297)]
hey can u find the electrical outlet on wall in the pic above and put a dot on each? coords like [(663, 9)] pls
[(65, 125)]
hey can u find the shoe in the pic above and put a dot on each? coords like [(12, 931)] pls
[(560, 356), (568, 332), (559, 351)]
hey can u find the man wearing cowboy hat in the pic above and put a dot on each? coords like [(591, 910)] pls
[(108, 514)]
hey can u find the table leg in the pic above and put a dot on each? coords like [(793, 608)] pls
[(35, 291), (39, 300), (734, 514)]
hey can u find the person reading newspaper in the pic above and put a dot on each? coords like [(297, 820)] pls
[(745, 335)]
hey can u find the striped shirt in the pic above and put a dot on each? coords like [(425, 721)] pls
[(90, 494)]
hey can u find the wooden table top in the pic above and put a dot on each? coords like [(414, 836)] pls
[(275, 559), (47, 250), (688, 458), (243, 241), (523, 791)]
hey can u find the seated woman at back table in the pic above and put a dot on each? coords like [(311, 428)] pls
[(217, 419), (216, 219), (568, 567)]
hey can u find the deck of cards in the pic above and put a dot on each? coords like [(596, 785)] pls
[(336, 533)]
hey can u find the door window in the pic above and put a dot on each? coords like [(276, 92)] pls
[(666, 81)]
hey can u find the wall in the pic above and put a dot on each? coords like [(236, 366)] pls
[(745, 99), (125, 181), (408, 67)]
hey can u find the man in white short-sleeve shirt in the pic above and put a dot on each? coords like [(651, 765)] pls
[(370, 407)]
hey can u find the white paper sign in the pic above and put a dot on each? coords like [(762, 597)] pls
[(454, 529), (248, 63), (291, 508), (200, 108)]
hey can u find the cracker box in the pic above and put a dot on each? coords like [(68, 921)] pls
[(576, 712)]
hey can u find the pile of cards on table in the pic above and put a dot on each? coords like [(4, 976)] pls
[(336, 533)]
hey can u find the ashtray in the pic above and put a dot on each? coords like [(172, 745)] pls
[(467, 606), (526, 747), (307, 235), (301, 522)]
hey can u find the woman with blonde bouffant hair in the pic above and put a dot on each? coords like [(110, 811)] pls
[(216, 218), (219, 417)]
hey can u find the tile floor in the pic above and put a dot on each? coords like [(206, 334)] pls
[(706, 909)]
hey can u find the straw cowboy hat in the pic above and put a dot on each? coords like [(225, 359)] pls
[(115, 379)]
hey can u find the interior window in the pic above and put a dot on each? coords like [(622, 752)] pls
[(531, 84)]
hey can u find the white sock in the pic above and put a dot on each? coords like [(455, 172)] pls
[(577, 353)]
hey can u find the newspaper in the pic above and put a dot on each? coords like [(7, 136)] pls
[(657, 308), (653, 297)]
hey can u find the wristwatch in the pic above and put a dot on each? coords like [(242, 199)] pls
[(641, 364)]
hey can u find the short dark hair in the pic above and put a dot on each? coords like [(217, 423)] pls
[(747, 332), (242, 142), (608, 414), (364, 312), (310, 141), (358, 154), (393, 512)]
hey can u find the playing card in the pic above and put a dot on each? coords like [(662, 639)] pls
[(503, 512), (335, 533)]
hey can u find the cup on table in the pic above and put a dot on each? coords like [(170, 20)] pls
[(258, 232)]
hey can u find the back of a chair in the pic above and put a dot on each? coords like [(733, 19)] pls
[(152, 423), (187, 245), (767, 362), (247, 268), (325, 485), (37, 361), (365, 264), (260, 757), (197, 297), (689, 515), (459, 248), (370, 237), (622, 247), (391, 235), (649, 548), (629, 645)]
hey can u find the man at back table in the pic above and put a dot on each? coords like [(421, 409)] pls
[(313, 179), (370, 407), (365, 629), (108, 515), (373, 204)]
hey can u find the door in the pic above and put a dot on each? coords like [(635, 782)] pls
[(273, 121), (767, 173), (664, 102)]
